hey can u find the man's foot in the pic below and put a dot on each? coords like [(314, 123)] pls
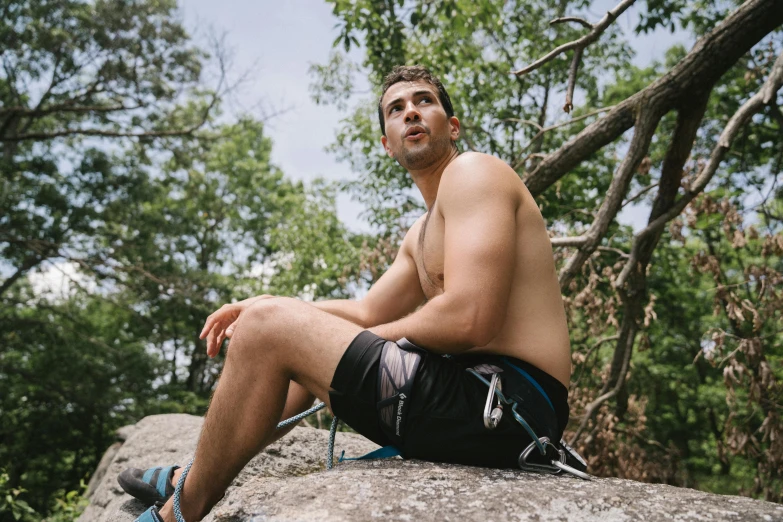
[(152, 486)]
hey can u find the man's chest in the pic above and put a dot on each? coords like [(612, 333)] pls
[(429, 254)]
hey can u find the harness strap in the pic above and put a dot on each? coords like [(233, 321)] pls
[(553, 458), (385, 452)]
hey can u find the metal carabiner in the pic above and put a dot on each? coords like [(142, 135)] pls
[(547, 468), (492, 415), (573, 471)]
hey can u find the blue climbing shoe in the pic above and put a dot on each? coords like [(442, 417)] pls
[(151, 515), (151, 486)]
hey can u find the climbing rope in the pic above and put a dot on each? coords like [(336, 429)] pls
[(287, 422)]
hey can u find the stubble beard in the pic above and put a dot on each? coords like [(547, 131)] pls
[(420, 157)]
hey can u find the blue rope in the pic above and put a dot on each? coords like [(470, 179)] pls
[(330, 448), (283, 424)]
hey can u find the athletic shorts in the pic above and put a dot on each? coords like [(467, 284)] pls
[(443, 420)]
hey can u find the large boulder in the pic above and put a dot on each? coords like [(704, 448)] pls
[(288, 481)]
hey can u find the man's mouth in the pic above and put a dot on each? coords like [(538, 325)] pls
[(415, 133)]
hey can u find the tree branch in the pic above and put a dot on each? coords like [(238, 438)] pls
[(64, 107), (638, 195), (582, 42), (593, 406), (563, 19), (576, 241), (646, 123), (709, 59), (572, 71), (755, 104), (542, 131)]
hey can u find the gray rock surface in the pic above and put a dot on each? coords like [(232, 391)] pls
[(288, 482)]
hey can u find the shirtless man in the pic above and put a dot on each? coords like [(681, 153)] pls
[(474, 278)]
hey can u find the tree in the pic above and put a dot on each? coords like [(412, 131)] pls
[(651, 130), (111, 162), (216, 222), (73, 74)]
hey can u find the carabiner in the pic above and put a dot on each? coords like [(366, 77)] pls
[(492, 415)]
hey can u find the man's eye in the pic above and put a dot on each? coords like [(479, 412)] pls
[(426, 99), (393, 109)]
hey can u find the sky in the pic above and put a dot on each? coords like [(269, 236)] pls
[(276, 42)]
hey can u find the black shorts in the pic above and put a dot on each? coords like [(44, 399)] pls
[(444, 414)]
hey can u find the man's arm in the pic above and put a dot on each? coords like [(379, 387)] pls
[(478, 198), (396, 294)]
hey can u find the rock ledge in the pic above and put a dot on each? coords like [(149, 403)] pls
[(288, 482)]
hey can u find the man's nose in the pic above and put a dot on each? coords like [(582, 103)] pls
[(412, 113)]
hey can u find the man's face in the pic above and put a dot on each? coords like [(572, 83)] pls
[(418, 131)]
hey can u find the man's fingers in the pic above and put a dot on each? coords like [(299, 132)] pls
[(230, 329), (211, 337), (207, 326)]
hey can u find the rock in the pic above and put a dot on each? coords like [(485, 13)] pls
[(288, 482), (103, 465)]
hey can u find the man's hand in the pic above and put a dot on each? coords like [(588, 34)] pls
[(220, 325)]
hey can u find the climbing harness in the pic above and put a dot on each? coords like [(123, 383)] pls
[(551, 458)]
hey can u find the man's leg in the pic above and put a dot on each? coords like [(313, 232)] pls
[(276, 341), (297, 401)]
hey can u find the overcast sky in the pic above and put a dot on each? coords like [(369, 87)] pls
[(277, 41)]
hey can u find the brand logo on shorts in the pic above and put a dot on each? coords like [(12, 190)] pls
[(400, 404)]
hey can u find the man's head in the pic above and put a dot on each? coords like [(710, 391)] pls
[(416, 117)]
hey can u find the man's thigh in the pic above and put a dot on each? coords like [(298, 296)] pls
[(308, 342)]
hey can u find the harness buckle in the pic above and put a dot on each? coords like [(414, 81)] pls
[(492, 415)]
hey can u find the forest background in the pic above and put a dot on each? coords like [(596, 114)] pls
[(125, 169)]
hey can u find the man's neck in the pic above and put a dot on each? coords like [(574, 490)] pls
[(428, 180)]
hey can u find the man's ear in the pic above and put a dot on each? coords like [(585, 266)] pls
[(385, 142), (455, 126)]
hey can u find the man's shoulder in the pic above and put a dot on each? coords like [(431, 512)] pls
[(476, 172)]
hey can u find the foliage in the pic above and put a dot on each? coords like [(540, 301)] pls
[(11, 506), (116, 179), (72, 70), (69, 505)]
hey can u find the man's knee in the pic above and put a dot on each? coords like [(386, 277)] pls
[(270, 320)]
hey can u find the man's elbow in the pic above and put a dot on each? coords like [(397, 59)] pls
[(480, 327)]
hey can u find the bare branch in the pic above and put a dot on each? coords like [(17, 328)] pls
[(526, 122), (565, 19), (569, 103), (639, 194), (737, 121), (576, 241), (64, 107), (544, 130), (612, 249), (711, 57), (646, 123), (592, 349), (120, 134), (104, 133), (582, 42), (593, 406)]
